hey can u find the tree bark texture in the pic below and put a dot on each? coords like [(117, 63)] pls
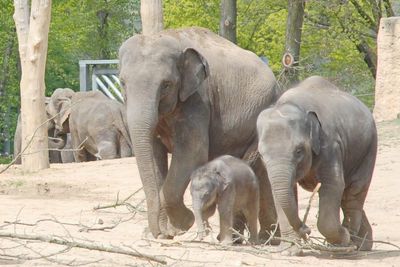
[(32, 35), (294, 25), (152, 16), (387, 89), (227, 25)]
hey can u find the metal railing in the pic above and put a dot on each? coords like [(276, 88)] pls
[(100, 75)]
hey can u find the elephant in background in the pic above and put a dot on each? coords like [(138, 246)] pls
[(196, 95), (95, 122), (229, 184), (318, 133), (54, 142)]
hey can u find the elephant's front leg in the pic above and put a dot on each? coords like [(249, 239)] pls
[(330, 196), (226, 213), (190, 151)]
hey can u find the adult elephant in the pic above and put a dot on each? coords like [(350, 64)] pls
[(318, 133), (95, 122), (196, 95)]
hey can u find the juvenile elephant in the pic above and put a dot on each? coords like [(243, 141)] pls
[(95, 122), (196, 95), (318, 133), (54, 142), (230, 184)]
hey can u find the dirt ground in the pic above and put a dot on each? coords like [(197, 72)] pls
[(63, 198)]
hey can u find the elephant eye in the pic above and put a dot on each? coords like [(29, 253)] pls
[(165, 86), (299, 151)]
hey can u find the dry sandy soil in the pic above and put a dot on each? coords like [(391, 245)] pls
[(67, 193)]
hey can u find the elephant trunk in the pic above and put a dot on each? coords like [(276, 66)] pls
[(142, 121), (282, 177), (201, 231), (57, 142)]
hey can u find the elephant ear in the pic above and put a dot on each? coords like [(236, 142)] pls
[(315, 132), (65, 111), (194, 70)]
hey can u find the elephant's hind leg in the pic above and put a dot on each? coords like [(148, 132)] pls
[(366, 233), (355, 219), (107, 150)]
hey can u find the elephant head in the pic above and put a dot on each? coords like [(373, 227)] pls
[(156, 73), (288, 139), (59, 108)]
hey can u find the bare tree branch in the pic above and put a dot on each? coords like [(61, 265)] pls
[(316, 189), (117, 202), (74, 244)]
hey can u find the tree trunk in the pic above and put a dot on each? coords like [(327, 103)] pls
[(33, 39), (294, 25), (387, 89), (370, 57), (152, 16), (227, 24)]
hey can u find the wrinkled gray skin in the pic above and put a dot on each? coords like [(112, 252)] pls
[(196, 95), (316, 132), (229, 184), (67, 156), (54, 142), (94, 121)]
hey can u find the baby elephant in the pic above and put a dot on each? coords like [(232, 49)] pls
[(232, 185)]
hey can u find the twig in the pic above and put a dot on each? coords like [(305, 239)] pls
[(271, 234), (84, 228), (310, 201), (117, 202), (53, 240)]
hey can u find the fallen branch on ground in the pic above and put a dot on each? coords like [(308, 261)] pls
[(117, 202), (83, 228), (74, 244)]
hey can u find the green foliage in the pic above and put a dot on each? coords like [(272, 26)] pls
[(185, 13), (77, 32), (5, 159)]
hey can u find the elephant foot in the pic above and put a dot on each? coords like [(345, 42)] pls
[(182, 222), (173, 231), (227, 243), (165, 236), (264, 238), (363, 244), (341, 238), (147, 234)]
